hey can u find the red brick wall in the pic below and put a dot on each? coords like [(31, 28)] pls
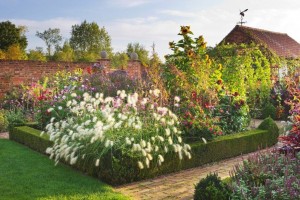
[(13, 73)]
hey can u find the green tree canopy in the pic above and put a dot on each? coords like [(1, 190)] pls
[(66, 53), (119, 60), (140, 50), (88, 40), (51, 37), (15, 52), (10, 35), (36, 54)]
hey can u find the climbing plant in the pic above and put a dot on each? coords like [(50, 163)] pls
[(246, 70)]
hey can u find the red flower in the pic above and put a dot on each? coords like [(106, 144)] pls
[(89, 70), (42, 97), (219, 82), (194, 95)]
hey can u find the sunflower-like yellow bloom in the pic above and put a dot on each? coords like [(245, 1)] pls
[(185, 30)]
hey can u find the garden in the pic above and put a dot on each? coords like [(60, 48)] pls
[(194, 109)]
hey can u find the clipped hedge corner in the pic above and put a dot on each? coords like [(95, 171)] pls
[(120, 169), (30, 137)]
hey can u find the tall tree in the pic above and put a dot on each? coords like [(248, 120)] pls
[(51, 37), (141, 52), (88, 40), (10, 35)]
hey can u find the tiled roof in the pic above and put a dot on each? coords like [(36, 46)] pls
[(280, 43)]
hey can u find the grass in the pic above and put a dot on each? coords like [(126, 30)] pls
[(26, 174)]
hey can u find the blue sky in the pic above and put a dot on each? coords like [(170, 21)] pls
[(148, 21)]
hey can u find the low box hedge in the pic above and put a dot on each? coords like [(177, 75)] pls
[(30, 137), (119, 169)]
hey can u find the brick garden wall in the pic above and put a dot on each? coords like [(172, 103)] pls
[(13, 73)]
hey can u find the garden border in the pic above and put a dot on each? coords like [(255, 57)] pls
[(119, 169)]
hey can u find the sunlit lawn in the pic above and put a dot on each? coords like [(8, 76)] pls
[(26, 174)]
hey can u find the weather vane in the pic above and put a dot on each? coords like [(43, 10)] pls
[(242, 13)]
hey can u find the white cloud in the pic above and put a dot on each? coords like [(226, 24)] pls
[(129, 3), (178, 13)]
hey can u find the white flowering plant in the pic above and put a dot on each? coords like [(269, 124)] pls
[(136, 126)]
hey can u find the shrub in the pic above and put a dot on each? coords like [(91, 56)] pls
[(267, 176), (211, 188), (3, 121), (269, 111), (15, 118), (271, 126), (31, 138)]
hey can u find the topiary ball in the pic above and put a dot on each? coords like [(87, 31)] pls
[(271, 126), (211, 188)]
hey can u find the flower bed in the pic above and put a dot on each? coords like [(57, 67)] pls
[(119, 169)]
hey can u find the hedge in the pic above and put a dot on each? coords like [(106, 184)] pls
[(30, 137), (119, 169)]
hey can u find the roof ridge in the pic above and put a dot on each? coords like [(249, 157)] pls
[(262, 30)]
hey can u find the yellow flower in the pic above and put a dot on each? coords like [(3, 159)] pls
[(206, 57), (220, 66), (185, 30), (190, 53), (172, 44), (200, 39), (209, 62)]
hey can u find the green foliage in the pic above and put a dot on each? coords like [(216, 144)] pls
[(31, 138), (271, 126), (88, 40), (119, 169), (154, 73), (2, 54), (119, 60), (26, 174), (250, 65), (14, 52), (66, 53), (269, 111), (36, 55), (3, 121), (232, 112), (188, 68), (15, 117), (191, 74), (211, 188), (51, 37), (141, 52), (11, 35)]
